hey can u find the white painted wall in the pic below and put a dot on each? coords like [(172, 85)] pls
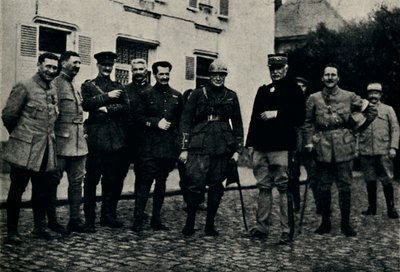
[(246, 38)]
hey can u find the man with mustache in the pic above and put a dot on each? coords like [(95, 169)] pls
[(29, 116), (378, 145), (71, 144), (279, 108), (134, 90), (158, 115), (329, 132), (108, 106)]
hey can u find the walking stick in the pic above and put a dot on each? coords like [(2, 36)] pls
[(233, 177), (304, 206), (290, 213), (242, 203)]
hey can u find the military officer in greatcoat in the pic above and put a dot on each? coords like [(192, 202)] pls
[(208, 143), (29, 116), (278, 109), (108, 106), (70, 142), (159, 114)]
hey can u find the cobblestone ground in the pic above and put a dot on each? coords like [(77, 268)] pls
[(376, 247)]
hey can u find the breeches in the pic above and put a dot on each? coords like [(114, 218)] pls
[(377, 168), (339, 172), (203, 170)]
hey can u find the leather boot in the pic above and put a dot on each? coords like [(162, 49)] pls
[(344, 203), (51, 211), (325, 205), (371, 190), (192, 200), (213, 201), (107, 219), (158, 200), (89, 206), (138, 216), (317, 201), (389, 197), (188, 229)]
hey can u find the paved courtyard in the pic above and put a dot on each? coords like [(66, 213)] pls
[(375, 248)]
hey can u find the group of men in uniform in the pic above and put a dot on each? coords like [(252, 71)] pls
[(151, 127)]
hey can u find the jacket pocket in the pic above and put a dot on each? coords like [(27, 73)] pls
[(67, 104), (348, 138), (62, 132), (18, 148)]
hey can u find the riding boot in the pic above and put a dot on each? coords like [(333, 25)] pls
[(140, 205), (325, 205), (158, 200), (344, 204), (389, 196), (213, 202), (107, 218), (316, 194), (371, 190), (192, 200)]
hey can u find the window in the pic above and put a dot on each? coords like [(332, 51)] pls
[(128, 49), (224, 7), (52, 40), (193, 4), (202, 75), (122, 76)]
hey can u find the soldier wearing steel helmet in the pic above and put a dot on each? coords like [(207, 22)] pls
[(209, 142)]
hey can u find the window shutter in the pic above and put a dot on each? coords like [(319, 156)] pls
[(84, 49), (27, 51), (224, 7), (193, 3), (189, 68), (29, 41)]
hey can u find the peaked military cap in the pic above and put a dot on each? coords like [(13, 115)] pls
[(277, 59), (302, 79), (105, 57)]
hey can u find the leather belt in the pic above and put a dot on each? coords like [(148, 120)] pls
[(329, 128), (70, 119), (213, 118)]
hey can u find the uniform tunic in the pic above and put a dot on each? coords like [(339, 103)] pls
[(158, 149), (211, 131), (106, 138), (329, 129), (375, 142), (71, 145), (29, 117)]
